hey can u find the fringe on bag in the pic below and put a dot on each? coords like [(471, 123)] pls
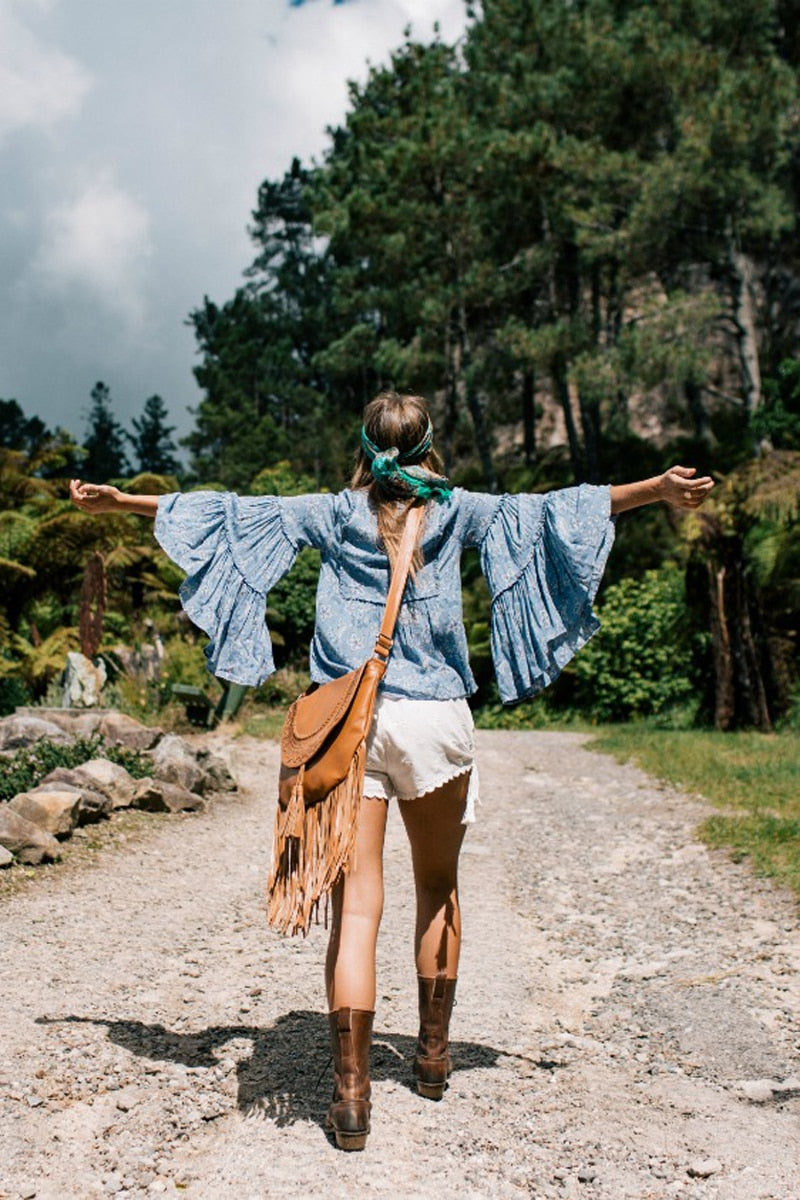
[(312, 846)]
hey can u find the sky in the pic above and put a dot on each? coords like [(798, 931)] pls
[(133, 137)]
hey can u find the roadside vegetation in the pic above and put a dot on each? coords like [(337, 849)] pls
[(576, 233)]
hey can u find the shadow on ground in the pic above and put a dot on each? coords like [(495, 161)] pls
[(288, 1075)]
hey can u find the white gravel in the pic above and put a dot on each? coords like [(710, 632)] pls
[(626, 1022)]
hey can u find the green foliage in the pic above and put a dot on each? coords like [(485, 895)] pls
[(778, 418), (151, 441), (105, 439), (291, 606), (26, 768), (281, 480), (13, 694), (185, 662), (642, 661)]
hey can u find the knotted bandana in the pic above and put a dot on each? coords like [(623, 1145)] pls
[(391, 467)]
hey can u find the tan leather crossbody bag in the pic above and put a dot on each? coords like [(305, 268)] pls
[(323, 755)]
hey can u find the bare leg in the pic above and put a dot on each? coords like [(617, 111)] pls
[(357, 910), (434, 828)]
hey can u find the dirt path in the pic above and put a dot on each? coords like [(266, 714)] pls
[(626, 1025)]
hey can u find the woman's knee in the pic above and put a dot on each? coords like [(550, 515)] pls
[(437, 885)]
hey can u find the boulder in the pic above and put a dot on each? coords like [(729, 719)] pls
[(6, 857), (93, 806), (73, 721), (54, 811), (119, 730), (217, 776), (98, 775), (174, 762), (158, 795), (83, 681), (16, 733), (26, 841)]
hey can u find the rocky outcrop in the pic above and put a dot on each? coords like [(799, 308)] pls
[(99, 775), (19, 732), (117, 728), (120, 730), (54, 811), (181, 775), (27, 842), (93, 805), (157, 795), (83, 681), (174, 761), (217, 775)]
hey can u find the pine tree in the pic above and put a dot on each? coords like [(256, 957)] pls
[(105, 439), (151, 441)]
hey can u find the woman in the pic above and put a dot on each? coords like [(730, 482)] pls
[(543, 556)]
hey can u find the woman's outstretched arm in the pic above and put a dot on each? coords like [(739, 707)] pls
[(102, 498), (678, 486)]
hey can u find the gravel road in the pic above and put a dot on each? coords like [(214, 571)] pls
[(626, 1022)]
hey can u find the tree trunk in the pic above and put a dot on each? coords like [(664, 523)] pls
[(558, 371), (467, 390), (529, 416), (697, 411), (740, 695), (742, 275), (590, 424)]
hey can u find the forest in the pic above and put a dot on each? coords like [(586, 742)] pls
[(575, 232)]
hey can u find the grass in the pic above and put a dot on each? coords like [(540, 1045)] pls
[(752, 777), (261, 722)]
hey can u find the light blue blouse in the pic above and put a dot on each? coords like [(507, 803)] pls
[(542, 555)]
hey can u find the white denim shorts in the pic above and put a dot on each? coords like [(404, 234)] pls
[(415, 746)]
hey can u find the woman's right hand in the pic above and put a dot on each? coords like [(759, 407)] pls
[(95, 497)]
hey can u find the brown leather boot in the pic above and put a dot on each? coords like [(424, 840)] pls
[(348, 1115), (432, 1064)]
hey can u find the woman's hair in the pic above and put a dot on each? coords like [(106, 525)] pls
[(392, 419)]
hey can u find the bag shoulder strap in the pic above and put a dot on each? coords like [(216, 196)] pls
[(383, 646)]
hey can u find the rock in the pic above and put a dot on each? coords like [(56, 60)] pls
[(54, 811), (18, 732), (587, 1175), (757, 1091), (174, 762), (702, 1168), (6, 857), (159, 795), (76, 722), (100, 775), (26, 841), (119, 730), (762, 1091), (217, 774), (83, 681), (93, 806)]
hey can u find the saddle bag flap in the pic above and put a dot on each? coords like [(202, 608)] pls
[(314, 716)]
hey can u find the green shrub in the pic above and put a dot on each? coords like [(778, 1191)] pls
[(185, 662), (642, 660), (291, 606), (13, 693), (27, 767)]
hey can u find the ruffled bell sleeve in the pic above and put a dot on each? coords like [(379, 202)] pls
[(543, 557), (234, 550)]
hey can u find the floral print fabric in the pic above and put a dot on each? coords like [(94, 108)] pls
[(543, 557)]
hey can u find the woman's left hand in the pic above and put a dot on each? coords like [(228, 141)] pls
[(683, 488)]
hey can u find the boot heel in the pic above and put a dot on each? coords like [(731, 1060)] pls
[(350, 1141), (431, 1091)]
